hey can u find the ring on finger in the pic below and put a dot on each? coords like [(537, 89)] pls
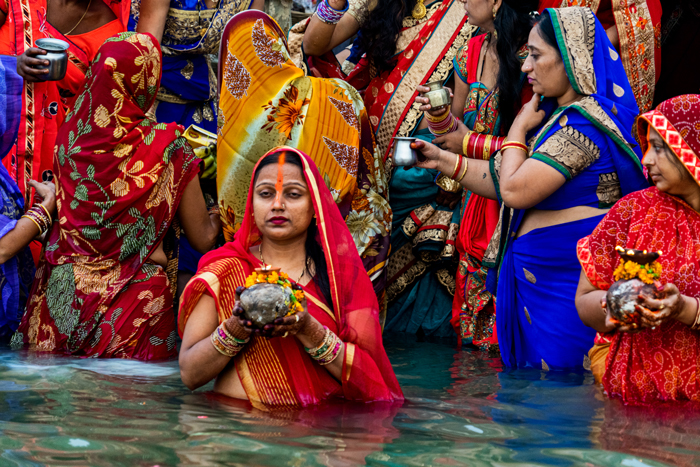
[(297, 318), (285, 334), (662, 306)]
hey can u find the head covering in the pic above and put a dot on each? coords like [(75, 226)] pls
[(367, 373), (677, 120), (114, 163), (594, 69)]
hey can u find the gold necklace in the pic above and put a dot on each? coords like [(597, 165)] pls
[(79, 21), (419, 11), (262, 260)]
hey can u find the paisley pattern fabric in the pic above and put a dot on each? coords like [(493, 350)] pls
[(45, 103), (119, 179), (267, 101), (655, 364)]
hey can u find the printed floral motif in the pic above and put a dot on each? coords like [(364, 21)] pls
[(347, 156), (287, 114), (236, 77), (347, 111), (270, 52)]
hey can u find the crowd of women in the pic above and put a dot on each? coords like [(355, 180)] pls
[(563, 141)]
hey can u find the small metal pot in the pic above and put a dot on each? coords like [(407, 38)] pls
[(57, 57), (404, 154), (439, 96)]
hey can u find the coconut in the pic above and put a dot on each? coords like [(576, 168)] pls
[(263, 303), (623, 296)]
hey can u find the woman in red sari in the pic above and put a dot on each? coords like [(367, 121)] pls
[(293, 225), (84, 25), (661, 360), (102, 288)]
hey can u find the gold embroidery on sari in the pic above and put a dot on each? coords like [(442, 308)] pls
[(609, 190), (571, 149), (578, 30)]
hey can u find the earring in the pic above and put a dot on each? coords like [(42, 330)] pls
[(495, 12)]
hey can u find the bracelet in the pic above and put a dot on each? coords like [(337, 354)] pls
[(225, 343), (515, 145), (438, 118), (39, 215), (48, 214), (696, 323), (464, 170), (481, 146), (328, 350), (465, 142), (448, 125), (458, 166), (328, 14)]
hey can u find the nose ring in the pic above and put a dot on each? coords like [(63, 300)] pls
[(283, 206)]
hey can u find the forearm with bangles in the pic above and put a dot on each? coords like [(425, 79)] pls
[(479, 146), (443, 123)]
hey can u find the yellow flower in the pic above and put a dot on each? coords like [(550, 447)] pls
[(299, 295)]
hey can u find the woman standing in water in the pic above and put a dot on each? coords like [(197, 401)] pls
[(579, 154), (295, 227), (660, 361)]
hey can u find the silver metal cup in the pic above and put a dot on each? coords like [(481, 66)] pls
[(56, 55), (404, 154), (438, 95)]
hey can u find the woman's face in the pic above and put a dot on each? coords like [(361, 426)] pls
[(480, 12), (667, 173), (288, 216), (544, 67)]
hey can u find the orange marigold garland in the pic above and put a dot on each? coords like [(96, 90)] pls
[(630, 269)]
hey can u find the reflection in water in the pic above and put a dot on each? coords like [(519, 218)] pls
[(462, 408)]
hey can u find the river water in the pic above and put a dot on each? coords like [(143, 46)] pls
[(462, 409)]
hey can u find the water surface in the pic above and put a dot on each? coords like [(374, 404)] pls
[(462, 409)]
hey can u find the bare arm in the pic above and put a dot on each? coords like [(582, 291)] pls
[(199, 361), (589, 304), (201, 227), (477, 179), (25, 230), (152, 17), (320, 37)]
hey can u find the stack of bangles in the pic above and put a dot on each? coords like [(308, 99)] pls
[(225, 343), (40, 216), (515, 145), (441, 124), (460, 170), (328, 350), (696, 323), (329, 15), (479, 146)]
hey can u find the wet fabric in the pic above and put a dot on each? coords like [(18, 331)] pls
[(44, 104), (655, 364), (589, 143), (267, 101), (16, 273), (119, 180), (277, 372)]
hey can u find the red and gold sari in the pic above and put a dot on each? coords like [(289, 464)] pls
[(119, 180), (638, 24), (278, 372), (45, 104), (661, 364)]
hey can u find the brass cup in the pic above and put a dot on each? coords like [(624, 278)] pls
[(438, 95)]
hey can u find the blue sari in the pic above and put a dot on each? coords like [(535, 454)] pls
[(188, 88), (589, 142), (17, 273)]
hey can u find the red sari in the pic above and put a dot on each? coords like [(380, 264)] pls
[(278, 372), (661, 364), (45, 104), (119, 181)]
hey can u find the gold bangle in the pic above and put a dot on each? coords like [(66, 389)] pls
[(465, 142), (515, 144), (45, 210), (456, 168), (464, 170), (35, 223), (438, 118)]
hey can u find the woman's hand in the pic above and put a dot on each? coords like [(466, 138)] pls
[(237, 325), (425, 102), (47, 192), (429, 155), (530, 116), (288, 326), (453, 141), (655, 312), (26, 63)]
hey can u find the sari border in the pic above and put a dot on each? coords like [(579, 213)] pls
[(349, 359), (248, 385), (319, 304)]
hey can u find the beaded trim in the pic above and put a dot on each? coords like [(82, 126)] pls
[(328, 350), (328, 14)]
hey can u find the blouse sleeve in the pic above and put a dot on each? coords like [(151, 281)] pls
[(459, 63), (569, 151), (358, 9)]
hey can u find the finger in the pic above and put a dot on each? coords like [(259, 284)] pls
[(438, 140), (421, 88), (34, 71)]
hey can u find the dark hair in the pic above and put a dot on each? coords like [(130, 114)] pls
[(314, 252), (381, 31), (513, 23), (545, 29)]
